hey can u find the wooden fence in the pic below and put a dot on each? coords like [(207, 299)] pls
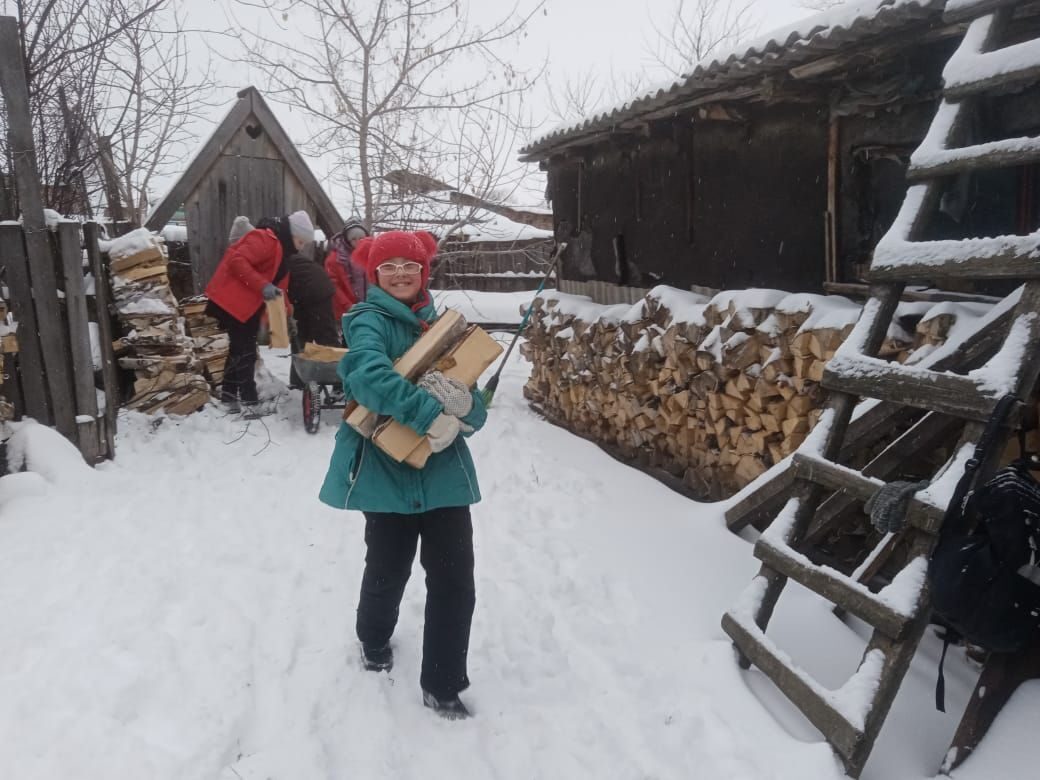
[(492, 266), (53, 376)]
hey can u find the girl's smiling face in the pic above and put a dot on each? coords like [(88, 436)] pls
[(401, 278)]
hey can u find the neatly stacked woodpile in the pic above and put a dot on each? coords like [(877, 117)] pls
[(210, 340), (713, 391), (154, 344)]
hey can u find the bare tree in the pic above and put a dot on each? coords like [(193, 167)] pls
[(395, 85), (102, 69), (62, 46), (587, 93), (154, 94), (695, 29)]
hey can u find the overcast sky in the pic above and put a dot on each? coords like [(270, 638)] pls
[(571, 38)]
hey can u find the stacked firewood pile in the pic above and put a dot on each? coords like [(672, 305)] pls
[(154, 345), (713, 391), (210, 340)]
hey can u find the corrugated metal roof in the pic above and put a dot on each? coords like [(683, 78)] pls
[(812, 38)]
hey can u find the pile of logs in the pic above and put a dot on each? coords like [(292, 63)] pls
[(210, 340), (154, 345), (713, 391)]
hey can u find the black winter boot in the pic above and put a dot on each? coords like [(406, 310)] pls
[(451, 708), (377, 659)]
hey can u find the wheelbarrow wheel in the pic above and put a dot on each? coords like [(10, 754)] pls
[(312, 407)]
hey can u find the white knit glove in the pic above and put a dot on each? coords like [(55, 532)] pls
[(443, 431), (453, 394)]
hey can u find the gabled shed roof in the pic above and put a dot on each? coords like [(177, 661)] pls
[(250, 103)]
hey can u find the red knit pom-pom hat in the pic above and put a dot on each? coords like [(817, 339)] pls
[(419, 247)]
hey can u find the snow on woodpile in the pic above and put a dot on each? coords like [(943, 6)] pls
[(154, 344), (713, 391)]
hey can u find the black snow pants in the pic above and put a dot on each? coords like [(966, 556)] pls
[(447, 557), (239, 368)]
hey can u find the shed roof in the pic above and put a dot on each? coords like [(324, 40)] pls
[(816, 36), (250, 103)]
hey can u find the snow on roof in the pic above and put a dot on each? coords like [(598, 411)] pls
[(438, 215), (815, 36)]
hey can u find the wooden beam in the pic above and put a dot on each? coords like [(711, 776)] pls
[(30, 355), (929, 432), (1002, 257), (835, 588), (950, 394), (102, 302), (43, 280), (860, 488), (115, 201), (976, 9), (833, 165), (991, 74), (78, 323), (996, 154), (855, 290), (842, 735)]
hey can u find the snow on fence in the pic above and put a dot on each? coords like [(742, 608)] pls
[(714, 391)]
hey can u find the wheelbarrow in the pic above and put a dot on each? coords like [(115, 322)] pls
[(322, 389)]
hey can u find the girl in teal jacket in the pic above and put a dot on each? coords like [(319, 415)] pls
[(402, 504)]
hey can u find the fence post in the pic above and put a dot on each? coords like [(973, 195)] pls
[(102, 301), (30, 357), (79, 340), (41, 261)]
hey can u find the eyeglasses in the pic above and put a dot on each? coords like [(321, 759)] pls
[(406, 269)]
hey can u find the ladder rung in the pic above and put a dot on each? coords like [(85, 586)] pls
[(835, 587), (868, 377), (997, 154), (795, 684), (961, 10), (830, 475), (1000, 257), (987, 72)]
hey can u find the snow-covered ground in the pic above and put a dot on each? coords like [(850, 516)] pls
[(500, 308), (187, 612)]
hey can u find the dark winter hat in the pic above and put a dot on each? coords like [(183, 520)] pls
[(373, 252)]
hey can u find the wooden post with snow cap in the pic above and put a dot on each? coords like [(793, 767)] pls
[(102, 302), (79, 340), (42, 277)]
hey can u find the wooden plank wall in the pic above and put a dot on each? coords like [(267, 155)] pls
[(251, 178)]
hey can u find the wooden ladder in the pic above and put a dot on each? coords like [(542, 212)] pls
[(848, 718)]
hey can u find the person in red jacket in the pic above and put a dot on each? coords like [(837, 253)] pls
[(253, 270), (348, 277)]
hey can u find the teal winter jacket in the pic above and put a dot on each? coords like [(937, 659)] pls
[(361, 476)]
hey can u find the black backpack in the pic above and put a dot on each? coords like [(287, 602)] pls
[(988, 549)]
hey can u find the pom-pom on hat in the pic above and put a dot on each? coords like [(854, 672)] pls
[(301, 227), (419, 247)]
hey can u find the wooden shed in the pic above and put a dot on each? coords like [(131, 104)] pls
[(248, 166), (778, 164)]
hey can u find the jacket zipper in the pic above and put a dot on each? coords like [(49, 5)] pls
[(354, 473), (458, 457)]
